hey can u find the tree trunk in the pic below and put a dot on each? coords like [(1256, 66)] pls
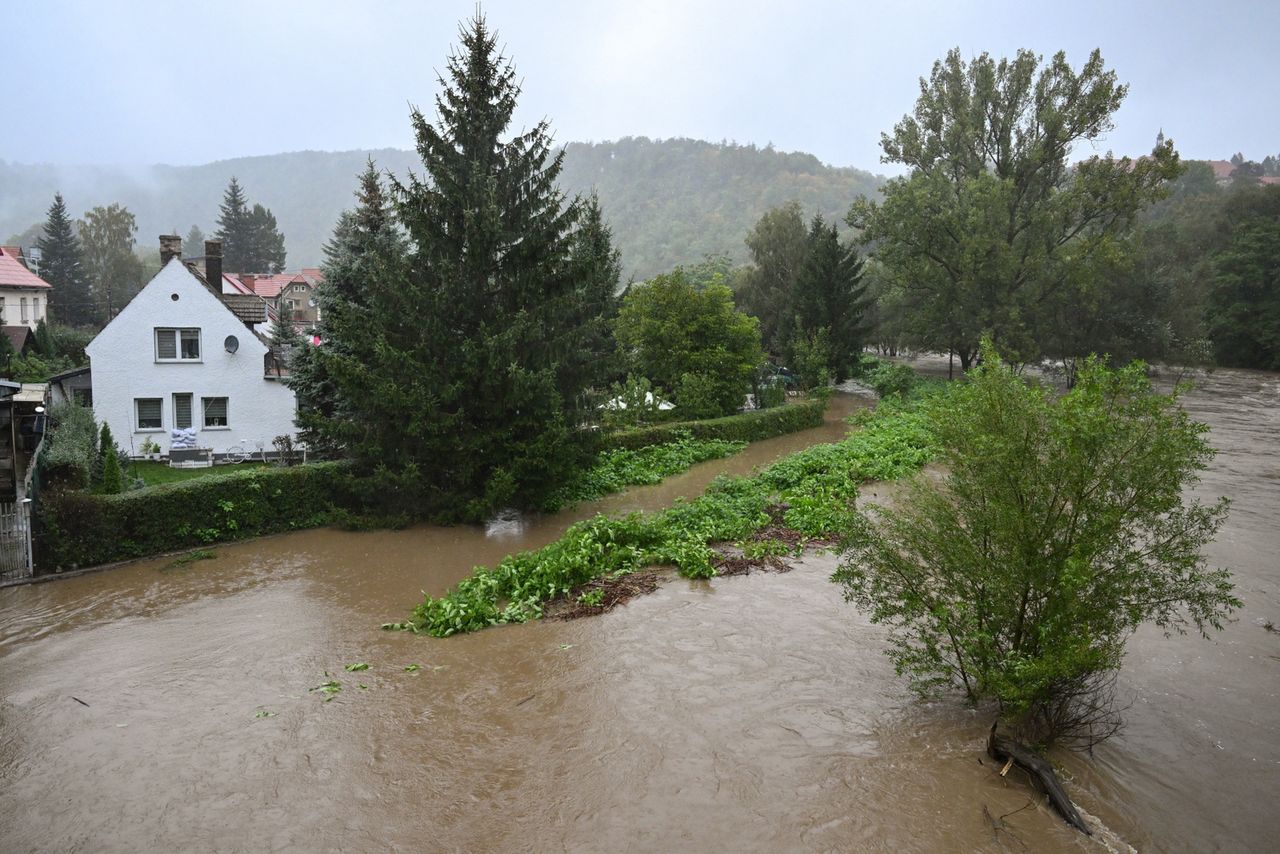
[(1004, 749)]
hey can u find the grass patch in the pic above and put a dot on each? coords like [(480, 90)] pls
[(817, 487), (154, 473), (618, 469), (192, 557)]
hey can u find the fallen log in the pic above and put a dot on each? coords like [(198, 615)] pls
[(1007, 750)]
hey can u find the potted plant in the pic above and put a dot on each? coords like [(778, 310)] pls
[(150, 450)]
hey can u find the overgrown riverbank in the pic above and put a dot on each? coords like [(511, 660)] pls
[(809, 493)]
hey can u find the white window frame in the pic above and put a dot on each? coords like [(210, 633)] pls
[(24, 310), (226, 410), (178, 333), (137, 415)]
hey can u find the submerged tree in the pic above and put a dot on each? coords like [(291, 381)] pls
[(993, 224), (1063, 524), (62, 265), (459, 383)]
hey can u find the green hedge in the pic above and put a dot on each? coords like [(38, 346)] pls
[(744, 427), (80, 529)]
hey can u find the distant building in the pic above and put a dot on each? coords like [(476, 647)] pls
[(291, 295), (24, 296)]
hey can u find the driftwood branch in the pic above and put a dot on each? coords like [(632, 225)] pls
[(1004, 749)]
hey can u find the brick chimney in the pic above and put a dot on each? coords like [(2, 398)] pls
[(213, 262), (170, 248), (248, 280)]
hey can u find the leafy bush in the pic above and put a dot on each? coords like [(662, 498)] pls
[(811, 355), (631, 402), (707, 396), (890, 378), (772, 394), (71, 446), (1063, 525)]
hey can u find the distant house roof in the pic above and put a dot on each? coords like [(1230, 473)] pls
[(14, 274), (269, 287), (1222, 168), (21, 337), (1269, 179), (248, 307)]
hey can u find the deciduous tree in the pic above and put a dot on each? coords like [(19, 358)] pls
[(1062, 524), (115, 272), (994, 222)]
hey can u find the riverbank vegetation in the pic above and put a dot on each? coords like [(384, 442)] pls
[(809, 493)]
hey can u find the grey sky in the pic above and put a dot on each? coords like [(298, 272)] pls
[(172, 82)]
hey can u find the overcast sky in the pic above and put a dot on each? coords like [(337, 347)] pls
[(183, 83)]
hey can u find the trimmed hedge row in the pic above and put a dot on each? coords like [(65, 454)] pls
[(80, 529), (743, 427)]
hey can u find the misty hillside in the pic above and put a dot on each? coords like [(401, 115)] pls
[(669, 201)]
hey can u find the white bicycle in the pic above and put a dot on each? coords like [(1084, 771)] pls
[(239, 453)]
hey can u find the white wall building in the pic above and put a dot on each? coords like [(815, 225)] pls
[(179, 356), (24, 296)]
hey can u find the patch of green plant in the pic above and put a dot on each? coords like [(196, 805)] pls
[(356, 667), (330, 687), (192, 557), (819, 484), (592, 598), (412, 668), (615, 470)]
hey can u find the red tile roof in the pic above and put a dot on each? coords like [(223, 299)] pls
[(1222, 168), (13, 274)]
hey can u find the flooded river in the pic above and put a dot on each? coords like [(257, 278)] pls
[(745, 714)]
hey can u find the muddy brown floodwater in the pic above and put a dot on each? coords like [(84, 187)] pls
[(754, 713)]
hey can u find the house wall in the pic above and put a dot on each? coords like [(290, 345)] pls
[(124, 365), (11, 304)]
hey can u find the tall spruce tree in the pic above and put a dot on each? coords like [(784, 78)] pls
[(62, 265), (590, 361), (367, 245), (830, 294), (251, 240), (456, 380), (193, 243)]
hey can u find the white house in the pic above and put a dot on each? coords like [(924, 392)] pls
[(182, 355), (24, 296)]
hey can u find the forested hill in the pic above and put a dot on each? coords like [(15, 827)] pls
[(669, 201)]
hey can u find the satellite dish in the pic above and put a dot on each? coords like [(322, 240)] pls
[(231, 344)]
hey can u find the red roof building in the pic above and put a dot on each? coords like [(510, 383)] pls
[(24, 296)]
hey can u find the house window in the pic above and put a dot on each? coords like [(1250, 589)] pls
[(35, 308), (215, 411), (24, 309), (148, 412), (182, 345), (182, 411)]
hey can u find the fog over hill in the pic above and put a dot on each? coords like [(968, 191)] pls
[(669, 201)]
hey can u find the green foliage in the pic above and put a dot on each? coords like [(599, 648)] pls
[(109, 479), (62, 265), (115, 273), (819, 485), (251, 240), (772, 393), (669, 327), (1062, 525), (743, 427), (1243, 317), (778, 245), (630, 403), (617, 469), (457, 370), (705, 396), (811, 357), (888, 378), (193, 243), (829, 296), (995, 230), (83, 529), (71, 446)]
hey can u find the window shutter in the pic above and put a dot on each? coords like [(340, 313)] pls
[(182, 411), (148, 413), (215, 412), (166, 344)]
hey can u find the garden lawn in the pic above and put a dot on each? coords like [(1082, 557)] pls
[(153, 473)]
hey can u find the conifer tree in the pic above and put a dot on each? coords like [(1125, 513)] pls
[(45, 344), (366, 245), (251, 240), (62, 265), (193, 243), (457, 381), (830, 294), (590, 360)]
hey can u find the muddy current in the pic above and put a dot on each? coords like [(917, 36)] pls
[(160, 707)]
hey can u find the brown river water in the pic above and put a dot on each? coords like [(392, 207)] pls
[(754, 713)]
